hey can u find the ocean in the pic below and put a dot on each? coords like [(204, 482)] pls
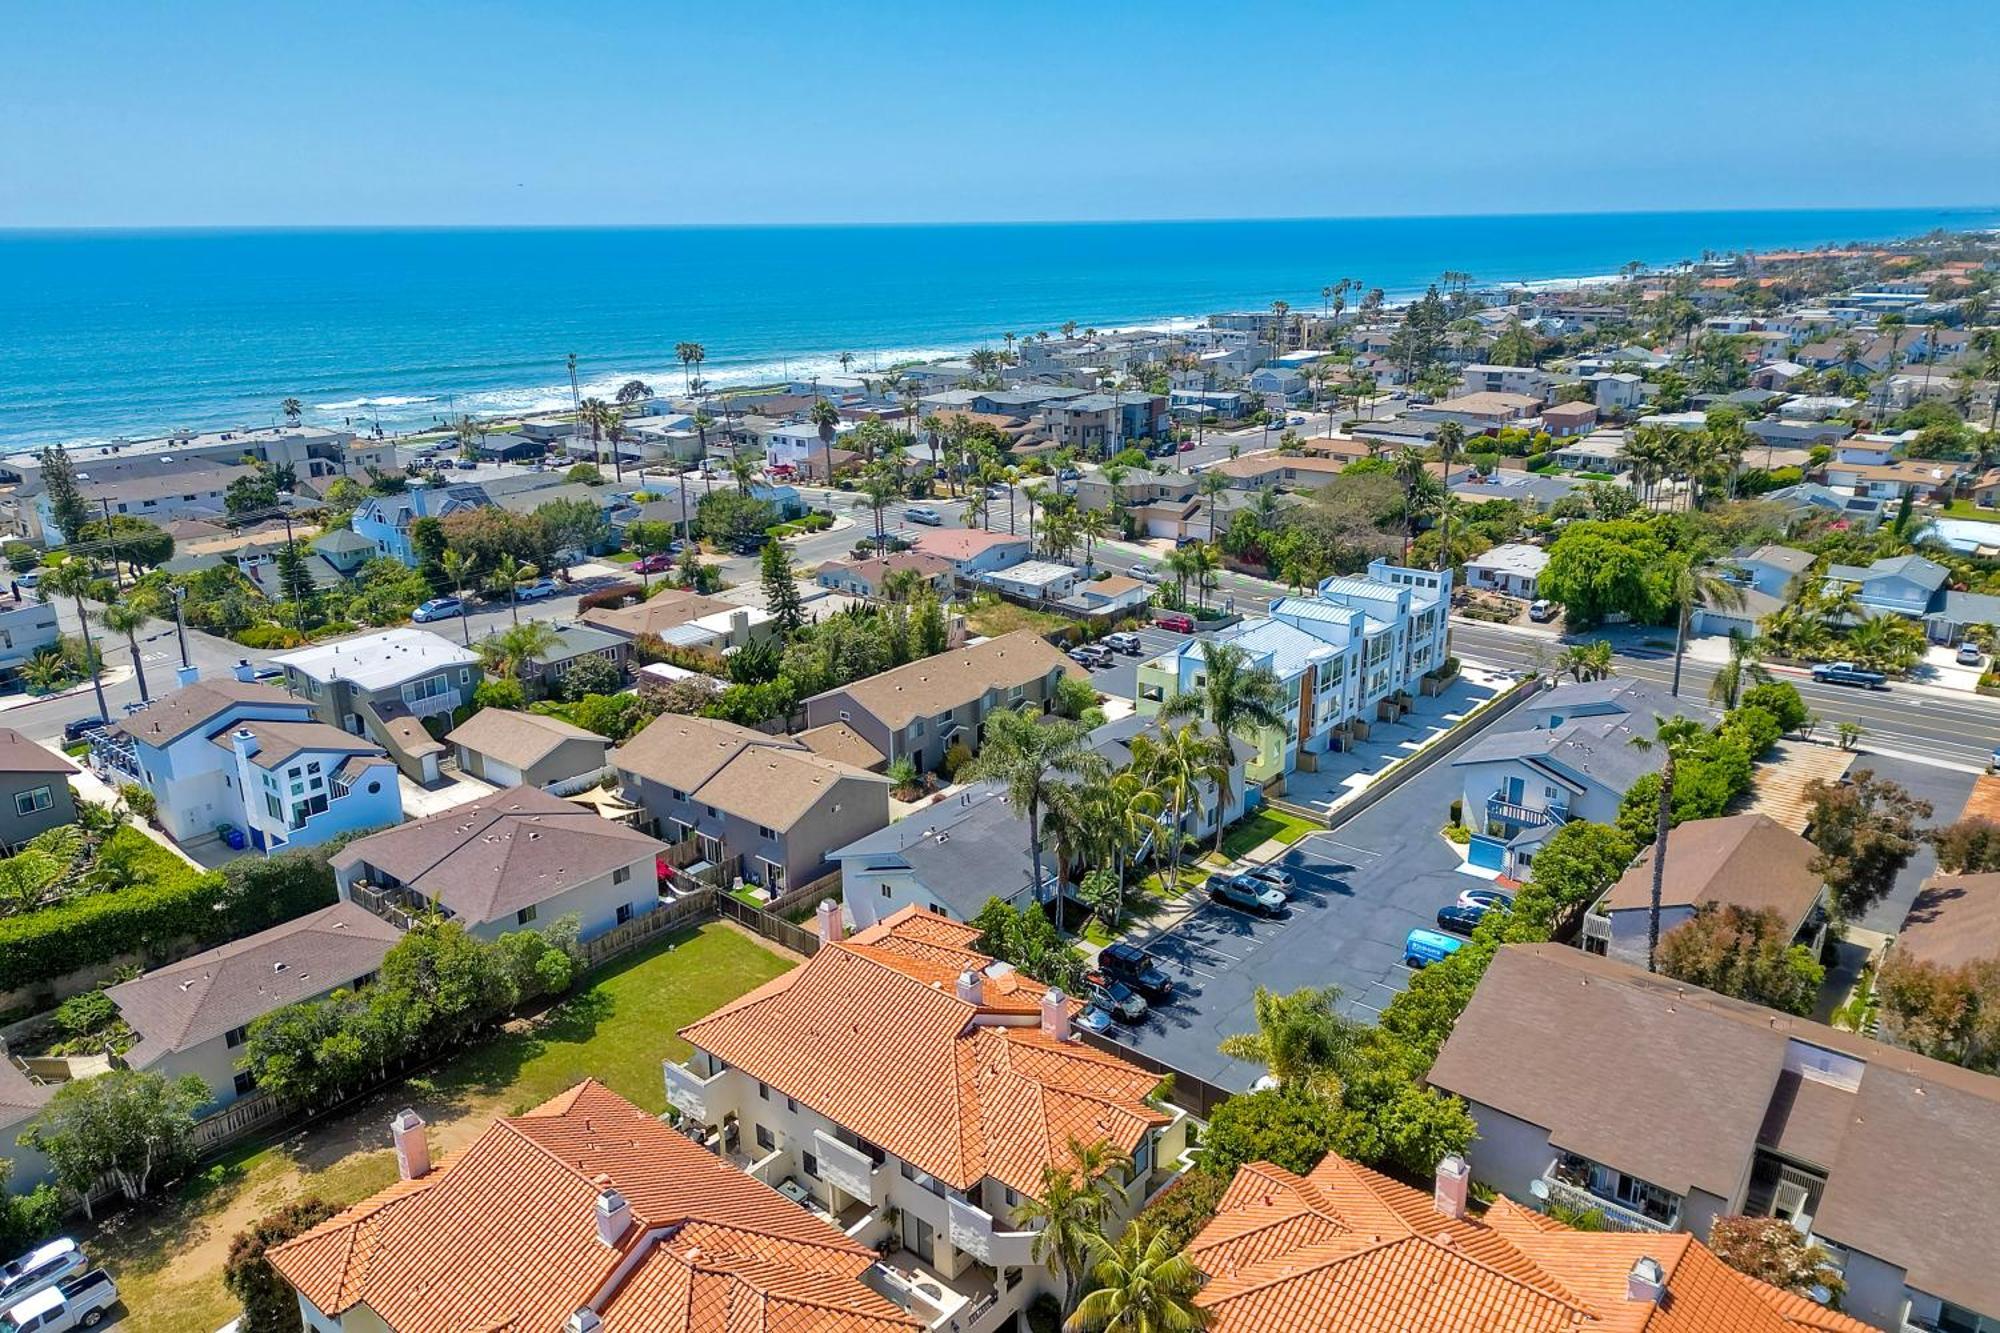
[(123, 333)]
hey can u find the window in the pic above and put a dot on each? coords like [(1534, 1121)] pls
[(764, 1139), (235, 1037), (246, 1082), (313, 767), (809, 1164), (28, 802), (271, 804), (624, 913), (763, 1092), (525, 915), (292, 772), (845, 716), (621, 874), (764, 831), (885, 891)]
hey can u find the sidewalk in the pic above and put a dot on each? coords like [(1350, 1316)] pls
[(109, 676)]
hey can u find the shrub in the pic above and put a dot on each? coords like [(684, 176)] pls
[(955, 758), (270, 636), (590, 675), (614, 596), (269, 1303), (139, 800)]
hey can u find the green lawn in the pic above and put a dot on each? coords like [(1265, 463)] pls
[(1965, 509), (1263, 826), (618, 557), (168, 1258)]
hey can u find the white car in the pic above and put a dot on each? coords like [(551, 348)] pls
[(1969, 655), (38, 1268), (1145, 573), (536, 591), (925, 515)]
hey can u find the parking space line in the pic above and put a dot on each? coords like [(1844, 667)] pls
[(1344, 846)]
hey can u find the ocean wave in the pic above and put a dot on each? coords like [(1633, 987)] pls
[(387, 400)]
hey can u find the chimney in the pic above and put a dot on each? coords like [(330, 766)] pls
[(243, 742), (614, 1217), (831, 927), (969, 988), (739, 626), (187, 675), (1646, 1282), (1454, 1175), (583, 1320), (244, 671), (1055, 1014), (413, 1150)]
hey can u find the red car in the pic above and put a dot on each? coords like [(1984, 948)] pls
[(653, 564), (1177, 621)]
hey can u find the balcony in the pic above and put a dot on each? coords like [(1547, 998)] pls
[(1568, 1182), (847, 1169), (692, 1094), (1500, 808), (972, 1230)]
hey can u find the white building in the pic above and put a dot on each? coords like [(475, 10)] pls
[(1512, 568)]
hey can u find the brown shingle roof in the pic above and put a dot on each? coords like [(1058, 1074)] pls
[(1749, 861), (1954, 920), (682, 751), (668, 610), (490, 859), (181, 1005), (842, 744), (521, 740), (504, 1236), (172, 716), (959, 676), (278, 742), (18, 754)]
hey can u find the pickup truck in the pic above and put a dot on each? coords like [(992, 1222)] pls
[(1846, 673), (77, 1302)]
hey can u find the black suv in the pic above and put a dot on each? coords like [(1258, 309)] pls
[(1129, 964)]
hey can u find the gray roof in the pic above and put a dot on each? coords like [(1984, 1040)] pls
[(174, 715), (1969, 608), (965, 850), (1593, 742), (1788, 558), (576, 640), (343, 539), (1922, 572)]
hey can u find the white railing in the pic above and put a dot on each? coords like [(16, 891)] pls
[(690, 1093), (971, 1229), (846, 1169), (581, 782)]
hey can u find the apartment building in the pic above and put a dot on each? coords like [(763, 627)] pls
[(914, 1090), (384, 686)]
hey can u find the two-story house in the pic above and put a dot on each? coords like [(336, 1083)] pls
[(386, 520), (923, 708), (518, 858), (234, 753), (1903, 585), (193, 1017), (765, 809), (585, 1215), (936, 1089), (385, 686), (542, 674), (1770, 569), (1663, 1106), (34, 790), (26, 628)]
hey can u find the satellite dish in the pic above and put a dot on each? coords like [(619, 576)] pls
[(1540, 1189)]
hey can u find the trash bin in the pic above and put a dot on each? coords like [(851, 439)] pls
[(234, 837)]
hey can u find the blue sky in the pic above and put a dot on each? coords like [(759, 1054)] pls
[(449, 111)]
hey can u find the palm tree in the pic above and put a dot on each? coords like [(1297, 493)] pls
[(456, 567), (1691, 585), (293, 410), (1586, 661), (1892, 325), (880, 488), (128, 618), (507, 652), (1211, 485), (1142, 1285), (1675, 737), (1066, 1217), (1178, 768), (509, 574), (1745, 664), (826, 417), (1301, 1038), (1234, 696), (1026, 754), (1410, 475), (691, 355), (1202, 566), (72, 578)]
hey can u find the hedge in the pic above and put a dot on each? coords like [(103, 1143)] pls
[(172, 902)]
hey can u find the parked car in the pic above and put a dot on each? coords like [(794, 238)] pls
[(1187, 446), (1541, 610), (1180, 622), (1487, 899), (40, 1267), (1423, 947), (1090, 657), (1846, 673), (75, 1302), (1133, 966), (750, 543), (1245, 894), (925, 515), (1968, 655), (1128, 644), (1125, 1004), (657, 563), (30, 580), (438, 608), (1459, 919), (1275, 876), (1094, 1019), (81, 728), (539, 590)]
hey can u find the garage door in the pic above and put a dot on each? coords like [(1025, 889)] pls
[(1487, 853)]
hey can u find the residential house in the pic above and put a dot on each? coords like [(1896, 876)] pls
[(763, 809), (1347, 657), (1904, 585), (973, 551), (26, 628), (1567, 754), (1953, 922), (510, 749), (1524, 381), (796, 445), (34, 790), (1348, 1248), (1511, 568), (1785, 432), (1776, 375), (1285, 383), (1920, 479), (1095, 491), (1771, 569), (236, 754), (1197, 403), (1808, 498), (1566, 419), (866, 578), (1254, 471), (193, 1017), (1481, 411), (1664, 1106), (618, 1222), (506, 861), (1106, 595), (937, 1091), (386, 686), (1749, 861), (688, 619), (1617, 390), (1955, 614), (1533, 491), (1739, 613), (1033, 581), (921, 709), (542, 674), (1099, 424), (344, 551), (1602, 451), (842, 744), (386, 520)]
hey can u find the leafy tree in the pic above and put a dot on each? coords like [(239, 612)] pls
[(1866, 832), (1599, 569), (66, 503), (1301, 1038), (1289, 1127), (781, 589), (1781, 699), (571, 525), (1142, 1284), (1947, 1013), (933, 635), (26, 1219), (728, 516), (1184, 1207), (447, 980), (270, 1305), (252, 491), (1967, 846), (295, 581), (427, 540), (1580, 861), (140, 544), (1735, 951), (1773, 1251), (1025, 938), (589, 675), (133, 1126)]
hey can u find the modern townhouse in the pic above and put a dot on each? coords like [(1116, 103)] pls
[(517, 858), (34, 790), (510, 749), (1749, 861), (1344, 1247), (193, 1017), (1353, 654), (744, 804), (1099, 424), (233, 754), (1525, 381), (935, 1089), (1566, 755), (387, 686), (1665, 1106), (588, 1215)]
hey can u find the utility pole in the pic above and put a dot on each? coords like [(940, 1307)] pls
[(110, 540), (180, 627), (298, 603)]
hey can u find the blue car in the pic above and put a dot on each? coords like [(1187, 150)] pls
[(1423, 947), (1094, 1019)]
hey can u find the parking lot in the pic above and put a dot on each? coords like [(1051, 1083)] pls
[(1122, 677), (1361, 888)]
